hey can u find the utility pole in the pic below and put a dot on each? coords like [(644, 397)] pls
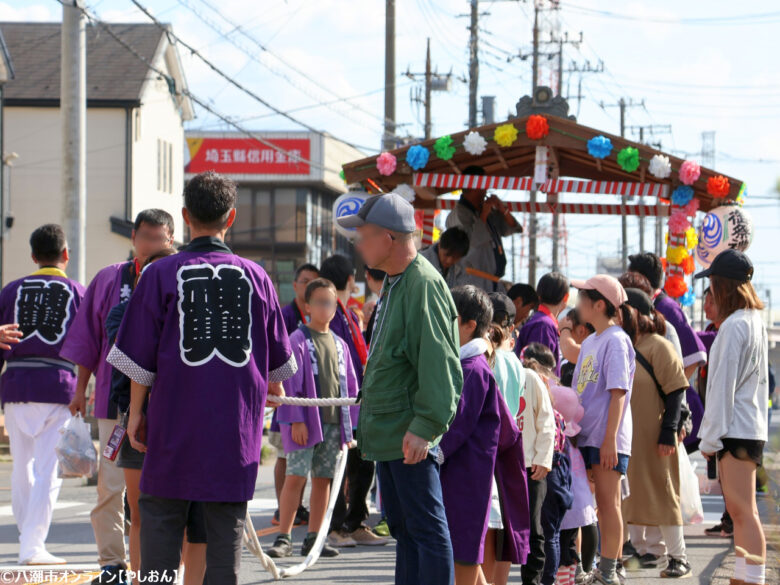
[(473, 63), (623, 105), (73, 106), (583, 69), (533, 227), (428, 89), (434, 81), (388, 143)]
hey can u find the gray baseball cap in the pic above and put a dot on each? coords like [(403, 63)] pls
[(389, 211)]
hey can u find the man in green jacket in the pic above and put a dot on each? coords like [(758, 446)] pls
[(411, 388)]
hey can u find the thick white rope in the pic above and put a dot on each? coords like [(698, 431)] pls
[(295, 401)]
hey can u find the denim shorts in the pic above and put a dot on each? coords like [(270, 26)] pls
[(592, 457)]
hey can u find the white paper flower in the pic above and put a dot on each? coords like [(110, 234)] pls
[(660, 166), (405, 191), (474, 143)]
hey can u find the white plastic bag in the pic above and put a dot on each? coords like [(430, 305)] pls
[(76, 453), (690, 499)]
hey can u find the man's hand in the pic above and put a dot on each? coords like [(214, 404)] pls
[(665, 450), (275, 389), (136, 431), (415, 448), (300, 434), (9, 335), (78, 403), (538, 472), (608, 455)]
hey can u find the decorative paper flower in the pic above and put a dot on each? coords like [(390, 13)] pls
[(417, 157), (682, 195), (660, 166), (689, 172), (599, 147), (444, 148), (691, 238), (505, 135), (628, 159), (692, 208), (678, 224), (718, 186), (688, 265), (386, 163), (742, 193), (676, 254), (474, 143), (663, 260), (675, 286), (666, 241), (341, 174), (537, 127), (405, 191), (687, 299)]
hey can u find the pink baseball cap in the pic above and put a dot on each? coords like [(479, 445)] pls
[(607, 285)]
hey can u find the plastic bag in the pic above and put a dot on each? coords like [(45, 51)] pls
[(690, 499), (76, 453)]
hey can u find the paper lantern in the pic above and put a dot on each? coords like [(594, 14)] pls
[(727, 226), (348, 204)]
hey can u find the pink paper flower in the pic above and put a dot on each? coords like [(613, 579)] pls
[(386, 163), (692, 208), (678, 223), (689, 172)]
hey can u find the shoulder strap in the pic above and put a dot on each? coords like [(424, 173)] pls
[(646, 365)]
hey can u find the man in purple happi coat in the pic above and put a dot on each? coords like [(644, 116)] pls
[(37, 386), (204, 338), (87, 346)]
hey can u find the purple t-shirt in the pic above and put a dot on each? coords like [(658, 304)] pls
[(693, 349), (87, 343), (44, 305), (540, 328), (205, 331), (606, 362)]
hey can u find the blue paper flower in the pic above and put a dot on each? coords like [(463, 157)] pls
[(687, 299), (599, 147), (417, 157), (682, 195)]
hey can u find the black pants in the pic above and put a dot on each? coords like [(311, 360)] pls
[(163, 522), (359, 476), (590, 544), (532, 570)]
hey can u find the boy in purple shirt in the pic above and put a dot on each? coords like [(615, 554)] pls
[(37, 386), (542, 327), (87, 346), (313, 437), (204, 337)]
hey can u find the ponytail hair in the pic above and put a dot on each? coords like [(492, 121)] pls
[(628, 322)]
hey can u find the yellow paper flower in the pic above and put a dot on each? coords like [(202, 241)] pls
[(676, 254), (666, 238), (691, 238), (505, 135)]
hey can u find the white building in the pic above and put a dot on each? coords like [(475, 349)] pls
[(135, 138)]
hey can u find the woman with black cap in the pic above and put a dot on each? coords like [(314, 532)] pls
[(654, 476), (734, 428)]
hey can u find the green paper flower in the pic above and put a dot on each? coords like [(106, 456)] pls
[(444, 148), (628, 159), (341, 174)]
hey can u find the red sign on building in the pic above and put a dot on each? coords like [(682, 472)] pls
[(245, 156)]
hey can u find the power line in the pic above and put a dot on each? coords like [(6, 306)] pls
[(760, 18)]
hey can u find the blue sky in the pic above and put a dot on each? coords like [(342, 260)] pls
[(714, 75)]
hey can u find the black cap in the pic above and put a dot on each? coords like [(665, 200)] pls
[(640, 301), (503, 309), (730, 264)]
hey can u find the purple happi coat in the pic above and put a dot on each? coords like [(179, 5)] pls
[(87, 343), (469, 448), (302, 385), (292, 317), (44, 305), (512, 490), (205, 331)]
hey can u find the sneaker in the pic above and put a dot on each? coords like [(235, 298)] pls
[(364, 537), (326, 552), (676, 569), (341, 540), (628, 550), (275, 519), (43, 558), (720, 529), (301, 516), (580, 576), (282, 548), (650, 561), (114, 574), (382, 529), (633, 563), (597, 578), (620, 573)]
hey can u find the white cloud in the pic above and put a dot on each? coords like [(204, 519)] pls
[(30, 12)]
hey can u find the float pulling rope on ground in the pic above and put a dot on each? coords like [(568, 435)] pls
[(250, 535)]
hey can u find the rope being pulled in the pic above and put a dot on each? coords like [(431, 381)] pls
[(250, 535)]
